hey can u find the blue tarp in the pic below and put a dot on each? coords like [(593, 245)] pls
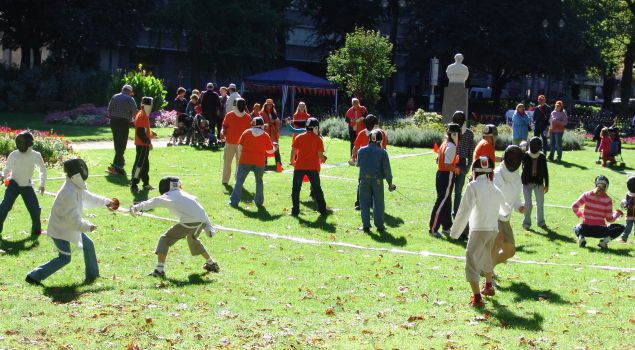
[(291, 77)]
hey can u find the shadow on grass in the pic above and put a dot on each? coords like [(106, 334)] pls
[(523, 249), (195, 279), (119, 180), (553, 235), (261, 214), (524, 292), (509, 319), (228, 189), (14, 248), (392, 221), (385, 237), (625, 251), (71, 292), (319, 223), (139, 196), (570, 165)]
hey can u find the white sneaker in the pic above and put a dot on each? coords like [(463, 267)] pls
[(604, 243), (581, 242)]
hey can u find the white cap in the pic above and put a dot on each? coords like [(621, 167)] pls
[(232, 86), (210, 85), (126, 87)]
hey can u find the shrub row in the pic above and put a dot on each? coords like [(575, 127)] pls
[(53, 147)]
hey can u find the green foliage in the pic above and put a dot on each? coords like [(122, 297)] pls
[(431, 120), (143, 84), (54, 148), (573, 140), (414, 137), (587, 110), (334, 127), (361, 65)]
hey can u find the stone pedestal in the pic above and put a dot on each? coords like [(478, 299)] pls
[(454, 99)]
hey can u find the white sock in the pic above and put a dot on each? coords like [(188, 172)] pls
[(160, 267)]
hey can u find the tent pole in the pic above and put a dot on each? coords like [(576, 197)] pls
[(292, 98)]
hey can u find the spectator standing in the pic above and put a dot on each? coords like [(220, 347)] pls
[(272, 127), (542, 115), (355, 119), (558, 121), (520, 125), (121, 109), (210, 104), (231, 100), (465, 151), (180, 103)]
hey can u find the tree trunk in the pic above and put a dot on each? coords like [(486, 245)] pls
[(627, 75), (25, 59), (37, 56), (608, 87), (195, 62), (499, 79)]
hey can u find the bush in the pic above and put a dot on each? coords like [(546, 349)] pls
[(572, 140), (86, 114), (143, 84), (53, 147), (428, 120), (334, 127), (163, 119), (414, 137), (586, 110)]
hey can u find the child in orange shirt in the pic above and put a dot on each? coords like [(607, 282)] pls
[(255, 143)]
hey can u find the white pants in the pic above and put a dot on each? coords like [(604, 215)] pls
[(478, 254)]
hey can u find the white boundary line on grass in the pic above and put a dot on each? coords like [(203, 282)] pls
[(301, 240)]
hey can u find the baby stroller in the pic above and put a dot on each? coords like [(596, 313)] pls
[(182, 130), (615, 149), (202, 133)]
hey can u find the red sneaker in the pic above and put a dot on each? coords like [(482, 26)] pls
[(476, 301), (279, 167), (488, 290)]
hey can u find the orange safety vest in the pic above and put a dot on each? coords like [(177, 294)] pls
[(441, 159)]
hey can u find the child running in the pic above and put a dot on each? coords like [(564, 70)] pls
[(66, 224), (192, 220), (18, 171), (628, 203), (480, 206)]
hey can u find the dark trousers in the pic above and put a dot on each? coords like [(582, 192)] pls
[(30, 200), (318, 195), (352, 136), (141, 166), (459, 181), (442, 211), (545, 140), (613, 230), (277, 156), (120, 128), (215, 124)]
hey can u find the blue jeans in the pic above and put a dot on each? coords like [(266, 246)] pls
[(459, 181), (41, 272), (241, 175), (30, 200), (371, 195), (539, 191), (316, 188), (627, 229), (556, 144)]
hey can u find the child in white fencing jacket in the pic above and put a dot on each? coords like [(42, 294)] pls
[(480, 206), (192, 221)]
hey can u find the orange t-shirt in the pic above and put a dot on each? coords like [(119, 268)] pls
[(234, 126), (307, 146), (362, 139), (484, 148), (255, 148), (141, 120)]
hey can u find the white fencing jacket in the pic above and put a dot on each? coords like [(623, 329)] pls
[(21, 166), (66, 221), (480, 205), (180, 204), (511, 185)]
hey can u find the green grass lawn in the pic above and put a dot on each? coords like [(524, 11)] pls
[(277, 293), (73, 133)]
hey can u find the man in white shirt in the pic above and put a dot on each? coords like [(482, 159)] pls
[(480, 206), (192, 221), (18, 172), (231, 99)]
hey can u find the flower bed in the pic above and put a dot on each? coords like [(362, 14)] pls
[(53, 147), (90, 115)]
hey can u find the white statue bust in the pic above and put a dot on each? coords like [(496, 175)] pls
[(457, 72)]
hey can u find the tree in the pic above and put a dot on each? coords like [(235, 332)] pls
[(504, 39), (228, 36), (362, 64)]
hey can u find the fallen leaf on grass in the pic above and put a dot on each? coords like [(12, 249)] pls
[(332, 237), (329, 311), (407, 325), (416, 318), (631, 321)]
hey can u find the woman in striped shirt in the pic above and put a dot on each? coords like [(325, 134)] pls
[(598, 207)]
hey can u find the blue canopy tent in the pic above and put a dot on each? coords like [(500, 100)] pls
[(293, 79)]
